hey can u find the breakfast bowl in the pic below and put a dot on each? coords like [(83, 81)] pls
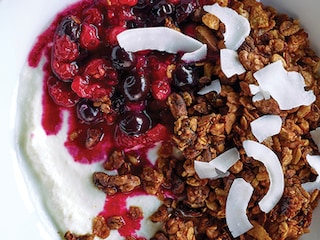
[(170, 119)]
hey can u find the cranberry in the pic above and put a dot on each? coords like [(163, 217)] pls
[(97, 68), (87, 113), (85, 87), (160, 89), (136, 87), (111, 35), (102, 69), (93, 16), (121, 59), (135, 123), (185, 76), (64, 49), (128, 2), (158, 133), (89, 38), (61, 93), (65, 71)]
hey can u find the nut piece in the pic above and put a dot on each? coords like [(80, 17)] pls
[(94, 136), (115, 222), (135, 213), (100, 227), (205, 35), (211, 21), (72, 236), (177, 105), (115, 160), (151, 180), (113, 184)]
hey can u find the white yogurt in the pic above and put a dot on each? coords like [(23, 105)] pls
[(61, 188)]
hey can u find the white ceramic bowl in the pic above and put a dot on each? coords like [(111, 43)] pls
[(20, 22)]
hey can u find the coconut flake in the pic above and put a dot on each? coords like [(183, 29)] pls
[(207, 170), (265, 155), (315, 135), (314, 162), (266, 126), (230, 64), (237, 26), (162, 39), (287, 88), (236, 206), (214, 86), (217, 167)]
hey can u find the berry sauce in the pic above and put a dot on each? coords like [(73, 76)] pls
[(114, 100), (116, 206)]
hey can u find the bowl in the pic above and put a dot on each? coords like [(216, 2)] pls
[(29, 20)]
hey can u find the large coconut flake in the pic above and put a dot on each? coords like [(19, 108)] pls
[(265, 155), (314, 162), (217, 167), (230, 63), (162, 39), (266, 126), (287, 88), (237, 27), (236, 206)]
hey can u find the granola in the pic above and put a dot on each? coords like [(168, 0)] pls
[(207, 125)]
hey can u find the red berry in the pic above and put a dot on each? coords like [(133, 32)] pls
[(102, 69), (96, 69), (61, 93), (160, 89), (64, 49), (93, 16), (89, 38), (85, 87), (128, 2), (65, 71), (156, 134), (111, 35)]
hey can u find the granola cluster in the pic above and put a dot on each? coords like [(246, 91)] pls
[(207, 125)]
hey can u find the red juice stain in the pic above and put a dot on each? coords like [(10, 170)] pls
[(116, 206)]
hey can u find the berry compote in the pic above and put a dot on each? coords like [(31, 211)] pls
[(115, 99)]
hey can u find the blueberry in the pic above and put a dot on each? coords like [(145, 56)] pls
[(87, 113), (134, 123), (122, 60), (185, 76), (135, 87)]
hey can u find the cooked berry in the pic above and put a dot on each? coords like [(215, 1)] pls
[(65, 71), (87, 113), (93, 16), (136, 87), (65, 49), (70, 26), (61, 93), (134, 123), (98, 68), (85, 87), (89, 38), (185, 76), (160, 89), (121, 59)]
